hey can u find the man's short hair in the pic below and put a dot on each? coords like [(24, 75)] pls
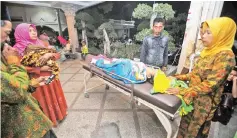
[(158, 20), (5, 16)]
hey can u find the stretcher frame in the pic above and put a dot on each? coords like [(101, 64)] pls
[(165, 117)]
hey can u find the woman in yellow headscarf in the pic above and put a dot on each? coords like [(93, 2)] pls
[(207, 77)]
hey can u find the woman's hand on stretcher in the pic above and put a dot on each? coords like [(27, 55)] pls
[(174, 91), (43, 59)]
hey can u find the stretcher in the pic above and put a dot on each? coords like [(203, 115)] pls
[(165, 106)]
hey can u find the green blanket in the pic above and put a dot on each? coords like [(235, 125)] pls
[(184, 109)]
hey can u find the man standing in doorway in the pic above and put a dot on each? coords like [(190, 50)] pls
[(154, 49)]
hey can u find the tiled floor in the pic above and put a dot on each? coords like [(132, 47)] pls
[(105, 114), (108, 113)]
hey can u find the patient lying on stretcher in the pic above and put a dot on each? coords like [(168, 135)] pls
[(136, 72)]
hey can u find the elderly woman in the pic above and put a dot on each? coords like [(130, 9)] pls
[(50, 97), (207, 77)]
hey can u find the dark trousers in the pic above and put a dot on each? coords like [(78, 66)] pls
[(83, 56)]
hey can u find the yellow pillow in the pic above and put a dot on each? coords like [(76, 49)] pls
[(161, 82)]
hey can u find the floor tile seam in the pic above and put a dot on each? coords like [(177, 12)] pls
[(91, 80), (69, 79), (82, 92), (65, 68), (136, 121), (70, 92), (82, 88), (101, 112), (66, 73), (76, 98), (69, 67), (76, 67), (80, 80), (104, 110)]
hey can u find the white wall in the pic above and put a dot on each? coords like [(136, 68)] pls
[(199, 12), (38, 16)]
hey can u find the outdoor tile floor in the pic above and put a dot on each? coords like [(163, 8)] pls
[(106, 113)]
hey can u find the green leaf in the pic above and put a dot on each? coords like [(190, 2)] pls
[(84, 17), (119, 50), (171, 45), (107, 26), (142, 11), (106, 7), (77, 24), (164, 10), (144, 24), (95, 50), (90, 34), (113, 35), (176, 27), (98, 34), (90, 26), (142, 34)]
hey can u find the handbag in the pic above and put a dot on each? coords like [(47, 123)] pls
[(224, 110)]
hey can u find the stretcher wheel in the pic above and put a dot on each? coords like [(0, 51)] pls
[(106, 87), (86, 95)]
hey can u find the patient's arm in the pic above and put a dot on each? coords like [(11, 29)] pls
[(150, 72), (186, 77)]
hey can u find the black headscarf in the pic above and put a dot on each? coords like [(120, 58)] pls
[(5, 16), (5, 12)]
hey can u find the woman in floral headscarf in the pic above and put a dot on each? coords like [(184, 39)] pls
[(207, 77), (50, 97)]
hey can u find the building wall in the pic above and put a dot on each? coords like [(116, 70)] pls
[(37, 15), (199, 12)]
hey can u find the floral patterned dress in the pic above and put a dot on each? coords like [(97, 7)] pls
[(206, 83), (50, 97), (21, 116)]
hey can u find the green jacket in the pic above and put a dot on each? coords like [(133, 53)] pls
[(21, 116)]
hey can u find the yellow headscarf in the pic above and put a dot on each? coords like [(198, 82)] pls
[(223, 30)]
